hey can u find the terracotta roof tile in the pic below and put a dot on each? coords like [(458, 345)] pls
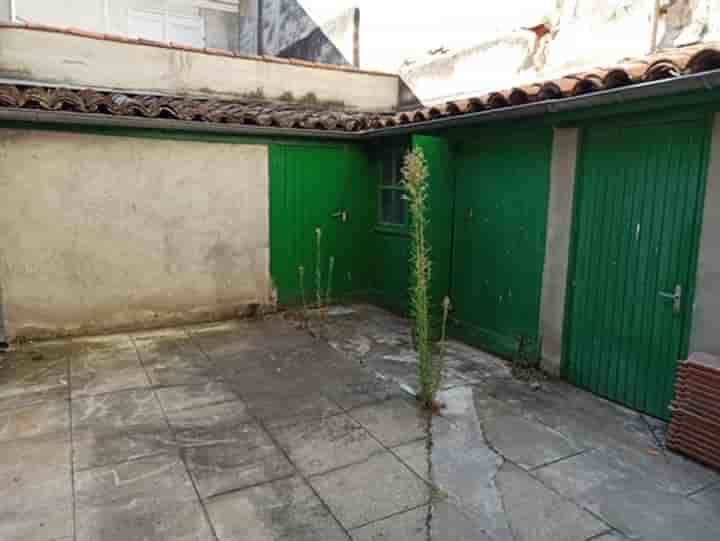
[(661, 65)]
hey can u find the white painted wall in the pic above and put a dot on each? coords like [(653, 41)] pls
[(100, 233), (64, 59)]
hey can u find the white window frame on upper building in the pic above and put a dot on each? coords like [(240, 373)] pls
[(166, 20)]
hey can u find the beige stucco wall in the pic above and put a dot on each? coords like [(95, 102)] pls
[(557, 250), (73, 60), (704, 335), (101, 232)]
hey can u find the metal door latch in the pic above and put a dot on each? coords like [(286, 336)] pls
[(342, 215), (676, 297)]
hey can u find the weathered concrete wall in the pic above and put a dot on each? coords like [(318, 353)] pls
[(484, 68), (706, 316), (571, 35), (56, 58), (557, 251), (101, 232)]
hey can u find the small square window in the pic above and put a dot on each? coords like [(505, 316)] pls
[(393, 206)]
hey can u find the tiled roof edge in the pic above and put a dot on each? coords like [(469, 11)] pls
[(180, 47)]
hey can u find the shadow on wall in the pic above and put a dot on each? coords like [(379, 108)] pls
[(288, 31)]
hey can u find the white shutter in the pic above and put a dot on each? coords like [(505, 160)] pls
[(142, 24), (186, 30)]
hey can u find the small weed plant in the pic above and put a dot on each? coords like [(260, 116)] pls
[(430, 367)]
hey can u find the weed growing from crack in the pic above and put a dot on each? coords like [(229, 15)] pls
[(301, 277), (430, 367), (318, 267), (331, 271)]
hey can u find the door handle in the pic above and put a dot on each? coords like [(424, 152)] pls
[(341, 215), (675, 296)]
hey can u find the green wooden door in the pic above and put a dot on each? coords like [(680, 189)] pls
[(499, 242), (440, 208), (309, 193), (635, 233)]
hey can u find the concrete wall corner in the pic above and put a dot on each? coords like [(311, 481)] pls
[(557, 247)]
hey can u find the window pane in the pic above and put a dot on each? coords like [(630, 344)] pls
[(386, 206), (399, 159), (393, 207), (400, 208), (388, 168)]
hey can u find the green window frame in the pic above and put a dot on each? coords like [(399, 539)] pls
[(392, 206)]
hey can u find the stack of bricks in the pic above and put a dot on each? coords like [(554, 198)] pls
[(695, 426)]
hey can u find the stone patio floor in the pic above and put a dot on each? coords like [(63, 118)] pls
[(262, 431)]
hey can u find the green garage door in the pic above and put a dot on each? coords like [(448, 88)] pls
[(323, 188), (637, 210), (499, 244)]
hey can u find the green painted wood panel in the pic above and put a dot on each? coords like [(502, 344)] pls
[(499, 241), (309, 187), (637, 207), (441, 195), (391, 257)]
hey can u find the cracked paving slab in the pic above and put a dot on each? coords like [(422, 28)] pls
[(151, 498), (396, 421), (709, 497), (622, 487)]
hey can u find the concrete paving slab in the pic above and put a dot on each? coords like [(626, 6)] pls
[(439, 520), (536, 513), (185, 397), (278, 409), (90, 376), (36, 488), (33, 376), (473, 365), (363, 390), (322, 445), (95, 447), (566, 409), (285, 510), (35, 420), (171, 360), (118, 427), (124, 408), (198, 424), (370, 491), (617, 486), (710, 498), (397, 421), (300, 387), (226, 458), (527, 443), (465, 470), (152, 498)]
